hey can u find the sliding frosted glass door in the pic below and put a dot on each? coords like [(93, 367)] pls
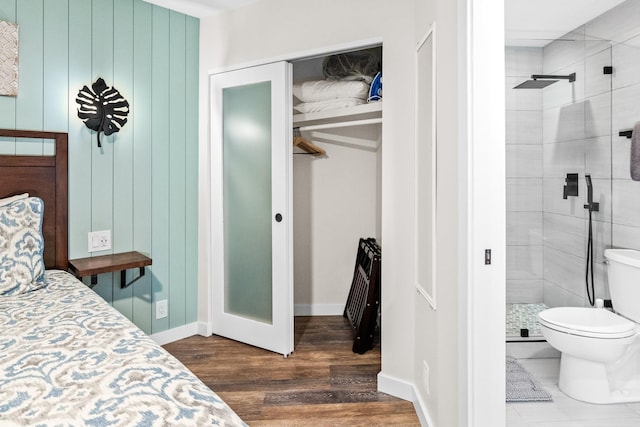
[(251, 164)]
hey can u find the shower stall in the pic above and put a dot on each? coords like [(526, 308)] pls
[(579, 97)]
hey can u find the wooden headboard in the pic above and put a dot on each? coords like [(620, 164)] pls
[(45, 177)]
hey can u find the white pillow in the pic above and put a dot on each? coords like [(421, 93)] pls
[(21, 246), (324, 90), (8, 200)]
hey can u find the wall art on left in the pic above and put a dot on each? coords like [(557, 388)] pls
[(8, 58)]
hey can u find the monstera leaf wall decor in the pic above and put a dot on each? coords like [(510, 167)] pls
[(102, 108)]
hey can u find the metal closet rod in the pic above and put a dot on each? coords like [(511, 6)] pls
[(340, 124)]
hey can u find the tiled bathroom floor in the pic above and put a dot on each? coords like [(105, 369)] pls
[(564, 411)]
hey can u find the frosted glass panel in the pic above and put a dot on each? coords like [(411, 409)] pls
[(246, 118)]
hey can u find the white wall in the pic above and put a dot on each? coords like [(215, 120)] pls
[(335, 202)]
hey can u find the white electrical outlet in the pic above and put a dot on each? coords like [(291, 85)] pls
[(425, 376), (99, 240), (162, 309)]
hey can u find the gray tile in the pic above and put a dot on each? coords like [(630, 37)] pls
[(524, 291), (564, 233), (564, 123), (602, 238), (626, 202), (523, 61), (618, 24), (556, 296), (523, 161), (598, 156), (626, 63), (566, 51), (524, 262), (625, 108), (524, 194), (561, 158), (597, 115), (524, 228), (620, 161), (625, 236), (596, 82), (600, 285), (523, 127), (565, 269)]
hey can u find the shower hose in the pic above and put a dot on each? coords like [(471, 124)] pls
[(590, 292)]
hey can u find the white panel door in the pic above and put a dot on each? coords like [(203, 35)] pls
[(251, 152)]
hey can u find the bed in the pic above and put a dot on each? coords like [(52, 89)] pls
[(66, 356)]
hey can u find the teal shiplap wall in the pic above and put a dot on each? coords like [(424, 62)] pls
[(142, 184)]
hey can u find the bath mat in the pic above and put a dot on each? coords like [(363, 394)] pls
[(521, 386)]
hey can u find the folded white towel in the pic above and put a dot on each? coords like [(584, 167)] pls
[(635, 153), (324, 90), (314, 107)]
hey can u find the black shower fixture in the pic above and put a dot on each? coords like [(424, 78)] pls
[(540, 81)]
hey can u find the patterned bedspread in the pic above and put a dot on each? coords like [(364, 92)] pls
[(68, 358)]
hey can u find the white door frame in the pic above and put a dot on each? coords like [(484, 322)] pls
[(482, 212)]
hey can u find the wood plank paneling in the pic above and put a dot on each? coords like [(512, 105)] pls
[(177, 169), (123, 148), (151, 56), (80, 139), (56, 60), (29, 105), (102, 191), (161, 162), (191, 160), (141, 111), (8, 103)]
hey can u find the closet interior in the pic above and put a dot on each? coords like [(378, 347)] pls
[(337, 121)]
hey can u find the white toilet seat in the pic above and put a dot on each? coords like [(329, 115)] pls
[(587, 322)]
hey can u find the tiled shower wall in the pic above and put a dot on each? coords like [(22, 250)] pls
[(524, 178), (576, 139), (580, 124)]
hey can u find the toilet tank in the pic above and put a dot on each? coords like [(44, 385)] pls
[(623, 272)]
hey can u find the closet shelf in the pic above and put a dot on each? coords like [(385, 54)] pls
[(359, 114)]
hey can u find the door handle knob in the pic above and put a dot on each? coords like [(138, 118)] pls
[(278, 217)]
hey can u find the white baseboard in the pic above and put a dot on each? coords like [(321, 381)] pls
[(205, 329), (395, 387), (407, 391), (422, 412), (318, 309), (175, 334)]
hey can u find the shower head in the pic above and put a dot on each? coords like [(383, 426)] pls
[(540, 81), (535, 84)]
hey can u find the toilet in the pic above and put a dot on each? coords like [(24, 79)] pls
[(600, 349)]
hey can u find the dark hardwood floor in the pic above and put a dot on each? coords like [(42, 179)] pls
[(322, 383)]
